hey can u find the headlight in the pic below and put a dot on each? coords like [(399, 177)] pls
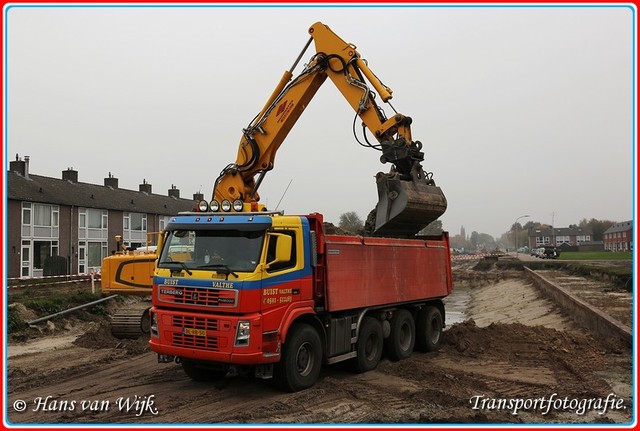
[(226, 206), (242, 333), (203, 206), (214, 205), (238, 205)]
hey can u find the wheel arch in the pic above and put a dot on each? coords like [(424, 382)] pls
[(304, 316)]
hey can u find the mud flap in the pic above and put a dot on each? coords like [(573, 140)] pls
[(405, 207)]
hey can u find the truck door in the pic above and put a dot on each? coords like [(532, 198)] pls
[(279, 278)]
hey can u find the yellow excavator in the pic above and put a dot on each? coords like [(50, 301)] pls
[(408, 198), (129, 273)]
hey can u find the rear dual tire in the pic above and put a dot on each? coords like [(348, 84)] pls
[(399, 345), (429, 327), (369, 347)]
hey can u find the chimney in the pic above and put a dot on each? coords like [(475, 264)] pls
[(20, 167), (111, 182), (173, 192), (198, 197), (145, 187), (70, 175)]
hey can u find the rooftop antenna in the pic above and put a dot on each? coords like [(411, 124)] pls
[(285, 192)]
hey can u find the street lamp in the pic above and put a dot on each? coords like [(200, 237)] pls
[(516, 229)]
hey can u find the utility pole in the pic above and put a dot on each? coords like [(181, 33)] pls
[(516, 231)]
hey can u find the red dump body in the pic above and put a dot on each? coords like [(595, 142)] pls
[(367, 272)]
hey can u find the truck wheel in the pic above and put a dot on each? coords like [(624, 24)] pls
[(400, 343), (369, 345), (301, 360), (429, 329), (202, 373)]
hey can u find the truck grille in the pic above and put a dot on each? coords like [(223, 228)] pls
[(202, 297), (195, 322), (204, 343)]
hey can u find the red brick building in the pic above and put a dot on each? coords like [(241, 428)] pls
[(619, 237)]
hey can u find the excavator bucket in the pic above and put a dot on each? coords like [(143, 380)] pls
[(405, 207)]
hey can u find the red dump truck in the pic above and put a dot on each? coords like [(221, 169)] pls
[(275, 295)]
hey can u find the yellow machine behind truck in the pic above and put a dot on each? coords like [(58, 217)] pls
[(408, 198), (129, 273)]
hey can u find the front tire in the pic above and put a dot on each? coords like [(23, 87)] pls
[(301, 360), (402, 339)]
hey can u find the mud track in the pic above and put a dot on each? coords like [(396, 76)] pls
[(518, 347)]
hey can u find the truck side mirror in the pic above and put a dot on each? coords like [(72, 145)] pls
[(282, 248)]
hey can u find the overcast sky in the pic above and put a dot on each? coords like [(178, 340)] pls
[(521, 110)]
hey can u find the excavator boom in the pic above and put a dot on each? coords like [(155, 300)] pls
[(408, 198)]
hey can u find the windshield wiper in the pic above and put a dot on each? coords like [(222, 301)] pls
[(172, 263), (219, 266)]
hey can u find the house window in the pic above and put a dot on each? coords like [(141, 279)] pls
[(39, 231), (94, 219), (40, 220), (162, 222), (91, 255), (26, 213), (42, 252), (540, 240), (93, 223), (135, 228), (93, 231)]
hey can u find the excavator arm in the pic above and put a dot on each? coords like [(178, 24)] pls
[(408, 197)]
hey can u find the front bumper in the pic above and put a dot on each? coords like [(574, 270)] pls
[(212, 337)]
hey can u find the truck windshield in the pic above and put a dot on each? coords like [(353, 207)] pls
[(215, 250)]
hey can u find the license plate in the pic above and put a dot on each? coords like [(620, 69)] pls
[(196, 332)]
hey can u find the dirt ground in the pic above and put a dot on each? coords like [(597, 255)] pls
[(509, 356)]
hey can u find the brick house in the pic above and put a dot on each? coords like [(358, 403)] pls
[(62, 219), (619, 237), (559, 237)]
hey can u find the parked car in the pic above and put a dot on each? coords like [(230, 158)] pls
[(549, 252)]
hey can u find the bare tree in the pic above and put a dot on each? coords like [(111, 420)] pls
[(351, 222), (434, 228)]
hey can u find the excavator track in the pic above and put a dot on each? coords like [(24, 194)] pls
[(132, 321)]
